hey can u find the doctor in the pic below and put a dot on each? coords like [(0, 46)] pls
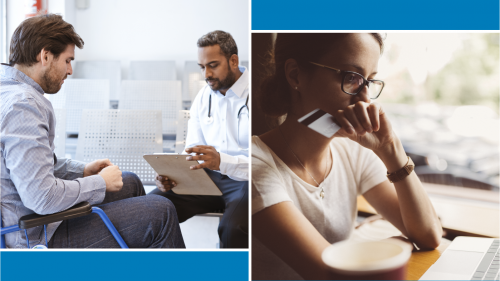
[(218, 133)]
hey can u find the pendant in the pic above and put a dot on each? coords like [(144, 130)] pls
[(322, 194)]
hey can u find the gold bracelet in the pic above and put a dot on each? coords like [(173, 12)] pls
[(402, 173)]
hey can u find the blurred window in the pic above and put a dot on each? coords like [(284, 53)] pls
[(442, 93)]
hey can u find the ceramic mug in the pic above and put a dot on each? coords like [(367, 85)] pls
[(372, 260)]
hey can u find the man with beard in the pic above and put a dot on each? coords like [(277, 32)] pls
[(34, 180), (218, 134)]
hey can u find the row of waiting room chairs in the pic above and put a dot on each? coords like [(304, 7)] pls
[(123, 136), (192, 79), (79, 94)]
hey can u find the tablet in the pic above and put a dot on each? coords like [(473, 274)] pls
[(176, 168)]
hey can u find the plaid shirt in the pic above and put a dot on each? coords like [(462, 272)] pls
[(29, 180)]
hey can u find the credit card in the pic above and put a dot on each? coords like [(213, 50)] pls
[(321, 122)]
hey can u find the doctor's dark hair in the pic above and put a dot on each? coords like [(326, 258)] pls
[(274, 98), (223, 39), (49, 32)]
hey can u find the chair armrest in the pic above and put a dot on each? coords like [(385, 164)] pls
[(33, 220)]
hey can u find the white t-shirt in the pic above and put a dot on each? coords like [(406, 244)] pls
[(355, 170)]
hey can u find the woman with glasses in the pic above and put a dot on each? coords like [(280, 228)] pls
[(305, 185)]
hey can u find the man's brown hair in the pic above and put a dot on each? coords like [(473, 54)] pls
[(49, 32)]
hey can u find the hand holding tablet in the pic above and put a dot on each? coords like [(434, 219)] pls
[(164, 183), (205, 153), (175, 173)]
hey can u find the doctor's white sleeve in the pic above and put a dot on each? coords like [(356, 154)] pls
[(235, 167)]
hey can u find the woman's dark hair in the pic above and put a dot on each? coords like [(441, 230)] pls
[(49, 32), (274, 98)]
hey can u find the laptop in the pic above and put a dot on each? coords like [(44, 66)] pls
[(467, 258)]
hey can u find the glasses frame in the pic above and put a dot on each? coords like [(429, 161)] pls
[(366, 82)]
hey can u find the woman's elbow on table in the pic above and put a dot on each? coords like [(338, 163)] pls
[(431, 239)]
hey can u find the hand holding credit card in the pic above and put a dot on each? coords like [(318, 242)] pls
[(321, 122), (371, 129)]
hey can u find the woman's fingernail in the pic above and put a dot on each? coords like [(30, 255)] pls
[(189, 158), (192, 167)]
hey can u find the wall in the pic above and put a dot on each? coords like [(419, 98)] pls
[(16, 10), (3, 31), (128, 30), (15, 15)]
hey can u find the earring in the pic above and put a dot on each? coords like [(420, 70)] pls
[(296, 88)]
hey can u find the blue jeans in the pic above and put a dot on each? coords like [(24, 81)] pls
[(142, 221)]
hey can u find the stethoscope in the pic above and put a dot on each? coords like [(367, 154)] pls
[(210, 119)]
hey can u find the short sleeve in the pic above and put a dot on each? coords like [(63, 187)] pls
[(373, 171), (267, 184)]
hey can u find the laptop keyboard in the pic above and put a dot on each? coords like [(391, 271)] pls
[(488, 268)]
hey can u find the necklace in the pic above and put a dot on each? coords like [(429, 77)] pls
[(322, 192)]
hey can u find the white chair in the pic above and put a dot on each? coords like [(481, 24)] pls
[(245, 64), (182, 128), (194, 81), (123, 136), (154, 95), (152, 70), (60, 137), (79, 94), (110, 70), (58, 100)]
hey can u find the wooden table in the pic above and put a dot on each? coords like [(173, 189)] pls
[(420, 261), (458, 218)]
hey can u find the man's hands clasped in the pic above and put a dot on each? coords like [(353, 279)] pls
[(94, 167), (109, 172), (113, 178)]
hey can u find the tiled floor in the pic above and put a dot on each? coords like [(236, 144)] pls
[(200, 232)]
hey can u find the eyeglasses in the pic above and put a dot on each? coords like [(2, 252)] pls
[(353, 83)]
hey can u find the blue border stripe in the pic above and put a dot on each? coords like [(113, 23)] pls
[(375, 15), (43, 265)]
